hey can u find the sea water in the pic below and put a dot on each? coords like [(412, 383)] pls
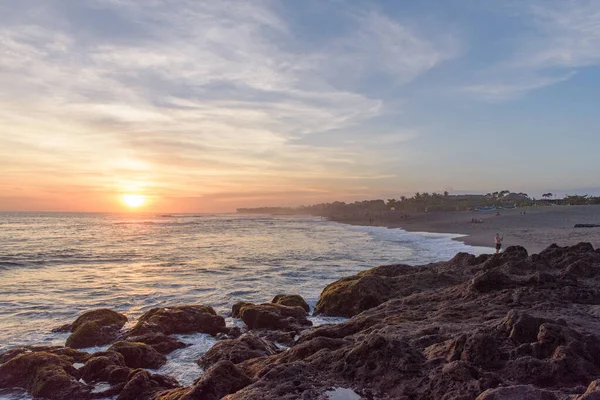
[(54, 266)]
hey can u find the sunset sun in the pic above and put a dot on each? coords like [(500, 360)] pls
[(133, 200)]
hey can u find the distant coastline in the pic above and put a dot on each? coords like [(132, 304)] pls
[(530, 227)]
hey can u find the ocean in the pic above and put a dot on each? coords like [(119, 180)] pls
[(54, 266)]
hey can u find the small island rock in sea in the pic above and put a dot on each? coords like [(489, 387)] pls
[(506, 326)]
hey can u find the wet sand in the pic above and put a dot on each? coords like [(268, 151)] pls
[(535, 230)]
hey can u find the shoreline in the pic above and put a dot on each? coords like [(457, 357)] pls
[(534, 228)]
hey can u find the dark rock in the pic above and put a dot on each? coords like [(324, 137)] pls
[(179, 319), (490, 281), (291, 300), (106, 366), (521, 392), (349, 296), (521, 327), (66, 353), (142, 385), (139, 355), (220, 380), (102, 317), (237, 350), (159, 342), (43, 375), (454, 380), (91, 334), (274, 316), (374, 356), (236, 309), (592, 392), (94, 328)]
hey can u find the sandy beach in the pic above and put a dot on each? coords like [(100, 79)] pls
[(537, 228)]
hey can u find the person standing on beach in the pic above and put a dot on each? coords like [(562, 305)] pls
[(498, 240)]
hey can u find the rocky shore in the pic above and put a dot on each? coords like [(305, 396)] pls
[(507, 326)]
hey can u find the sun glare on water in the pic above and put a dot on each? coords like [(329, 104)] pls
[(133, 200)]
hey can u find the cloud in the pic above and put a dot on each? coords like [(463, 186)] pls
[(568, 35), (561, 37), (219, 91), (515, 88)]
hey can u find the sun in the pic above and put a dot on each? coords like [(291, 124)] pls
[(133, 200)]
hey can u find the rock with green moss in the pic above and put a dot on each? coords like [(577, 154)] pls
[(274, 317), (105, 366), (162, 343), (139, 355), (43, 375), (237, 350), (94, 328), (142, 385), (291, 300), (179, 320)]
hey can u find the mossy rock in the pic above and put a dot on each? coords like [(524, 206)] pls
[(291, 300)]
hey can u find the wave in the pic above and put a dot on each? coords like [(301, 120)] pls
[(156, 223)]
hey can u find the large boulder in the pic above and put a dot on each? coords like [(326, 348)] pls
[(237, 350), (43, 375), (94, 328), (350, 296), (179, 319), (139, 355), (220, 380), (291, 300), (274, 316)]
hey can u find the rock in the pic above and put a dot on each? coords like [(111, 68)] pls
[(91, 334), (236, 310), (454, 380), (44, 375), (521, 327), (159, 342), (349, 296), (291, 300), (484, 350), (106, 366), (592, 392), (490, 281), (237, 350), (66, 353), (521, 392), (495, 326), (179, 319), (274, 316), (139, 355), (142, 385), (220, 380), (102, 317), (371, 359), (94, 328)]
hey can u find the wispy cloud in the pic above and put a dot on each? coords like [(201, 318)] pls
[(562, 36), (515, 87), (194, 90)]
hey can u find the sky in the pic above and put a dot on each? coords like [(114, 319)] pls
[(206, 106)]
